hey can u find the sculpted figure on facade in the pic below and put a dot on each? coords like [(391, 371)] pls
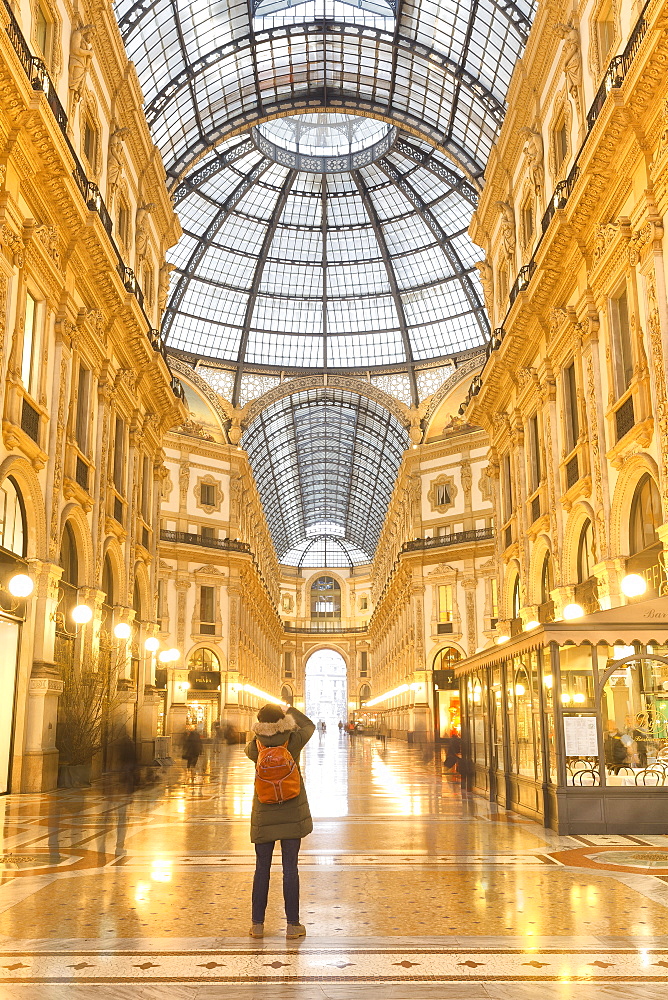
[(571, 56), (487, 282), (163, 285), (81, 54), (534, 152), (142, 229), (508, 237), (115, 160)]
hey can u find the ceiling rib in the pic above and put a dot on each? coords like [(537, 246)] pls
[(392, 279)]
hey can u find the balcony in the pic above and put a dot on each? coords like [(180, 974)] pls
[(317, 626), (456, 538), (190, 538)]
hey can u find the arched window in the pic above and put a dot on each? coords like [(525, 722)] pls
[(546, 579), (12, 518), (108, 588), (325, 598), (69, 559), (645, 515), (286, 695), (446, 658), (586, 560), (69, 581), (365, 694), (515, 601), (204, 670)]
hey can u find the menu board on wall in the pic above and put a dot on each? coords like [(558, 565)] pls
[(580, 736)]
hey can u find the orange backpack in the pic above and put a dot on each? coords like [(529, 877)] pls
[(277, 776)]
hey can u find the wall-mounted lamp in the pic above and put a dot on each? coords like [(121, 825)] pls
[(21, 585), (122, 630), (169, 655), (573, 611), (81, 614), (152, 645), (633, 585)]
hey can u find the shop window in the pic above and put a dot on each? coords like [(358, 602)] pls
[(571, 417), (30, 359), (645, 515), (204, 670), (325, 598), (207, 613), (12, 518), (365, 694), (560, 144), (634, 713)]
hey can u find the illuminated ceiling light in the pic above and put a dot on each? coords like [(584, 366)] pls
[(388, 694), (152, 645), (566, 699), (520, 689), (21, 585), (173, 655), (548, 681), (501, 639), (579, 699), (122, 630), (81, 614), (529, 625), (633, 585), (572, 611), (164, 657)]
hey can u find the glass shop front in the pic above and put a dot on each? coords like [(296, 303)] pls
[(568, 723)]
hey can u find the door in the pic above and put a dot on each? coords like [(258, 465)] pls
[(9, 644)]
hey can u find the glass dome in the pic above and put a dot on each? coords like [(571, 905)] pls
[(367, 268)]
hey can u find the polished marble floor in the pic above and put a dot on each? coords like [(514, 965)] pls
[(407, 887)]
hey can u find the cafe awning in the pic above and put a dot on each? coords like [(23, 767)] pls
[(644, 622)]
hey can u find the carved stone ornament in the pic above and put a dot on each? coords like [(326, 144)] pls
[(604, 237), (115, 158), (286, 602), (487, 282), (13, 243), (442, 493), (533, 150), (211, 487), (486, 486), (571, 56), (48, 237), (508, 237)]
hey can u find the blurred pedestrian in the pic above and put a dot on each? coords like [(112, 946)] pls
[(192, 751)]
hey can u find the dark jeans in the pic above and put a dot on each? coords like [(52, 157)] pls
[(289, 856)]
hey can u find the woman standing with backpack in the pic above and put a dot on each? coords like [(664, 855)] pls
[(280, 808)]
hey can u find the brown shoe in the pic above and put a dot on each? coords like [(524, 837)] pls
[(295, 931), (257, 930)]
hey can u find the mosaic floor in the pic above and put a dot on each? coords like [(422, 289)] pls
[(405, 885)]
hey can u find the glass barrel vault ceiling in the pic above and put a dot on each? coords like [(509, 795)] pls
[(325, 461)]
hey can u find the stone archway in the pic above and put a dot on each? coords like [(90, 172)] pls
[(326, 687)]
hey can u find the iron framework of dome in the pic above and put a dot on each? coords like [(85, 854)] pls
[(369, 268)]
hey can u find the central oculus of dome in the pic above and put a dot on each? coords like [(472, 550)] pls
[(324, 143)]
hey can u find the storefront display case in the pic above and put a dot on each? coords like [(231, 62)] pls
[(568, 723)]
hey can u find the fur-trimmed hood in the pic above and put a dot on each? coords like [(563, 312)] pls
[(268, 729)]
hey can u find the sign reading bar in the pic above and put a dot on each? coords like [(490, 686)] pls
[(580, 736)]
